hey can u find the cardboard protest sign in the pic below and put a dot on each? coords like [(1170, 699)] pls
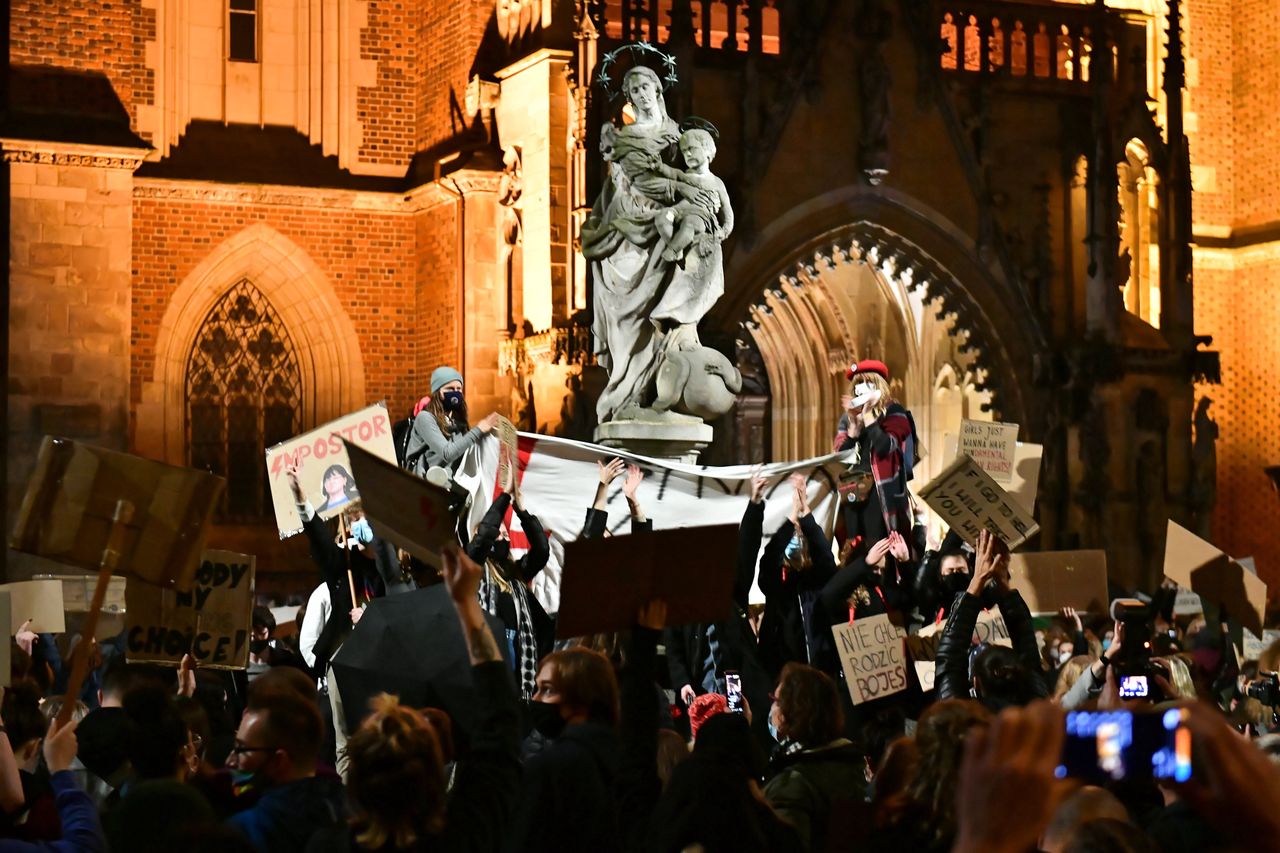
[(872, 656), (510, 443), (405, 509), (77, 593), (923, 645), (68, 511), (324, 470), (1187, 603), (1052, 580), (969, 501), (1025, 484), (39, 601), (211, 622), (607, 580), (1197, 565), (991, 445), (1253, 646)]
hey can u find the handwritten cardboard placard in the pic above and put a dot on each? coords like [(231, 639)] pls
[(404, 509), (969, 501), (212, 622), (1026, 470), (70, 504), (77, 593), (1253, 645), (1187, 603), (1052, 580), (1193, 563), (324, 469), (509, 441), (39, 601), (922, 646), (872, 655), (992, 446)]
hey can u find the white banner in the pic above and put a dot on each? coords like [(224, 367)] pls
[(558, 480)]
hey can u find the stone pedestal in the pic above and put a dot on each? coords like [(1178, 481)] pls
[(679, 441)]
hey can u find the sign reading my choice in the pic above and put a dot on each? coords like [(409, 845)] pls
[(211, 622)]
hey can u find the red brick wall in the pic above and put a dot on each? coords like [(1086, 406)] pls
[(450, 32), (386, 110), (435, 332), (1256, 99), (1246, 405), (1208, 35), (367, 257), (84, 36)]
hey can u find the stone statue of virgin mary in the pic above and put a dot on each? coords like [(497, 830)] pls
[(647, 307)]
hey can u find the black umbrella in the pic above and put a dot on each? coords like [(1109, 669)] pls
[(411, 645)]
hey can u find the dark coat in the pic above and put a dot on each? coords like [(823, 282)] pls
[(796, 626), (952, 677), (286, 816), (486, 782), (568, 803), (597, 522), (804, 788), (523, 570)]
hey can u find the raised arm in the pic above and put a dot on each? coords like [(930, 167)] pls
[(427, 439), (631, 489), (750, 532), (487, 532), (598, 514)]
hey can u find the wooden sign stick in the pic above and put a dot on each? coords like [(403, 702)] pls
[(106, 566), (344, 531)]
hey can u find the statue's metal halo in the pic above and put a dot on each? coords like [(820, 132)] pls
[(643, 53)]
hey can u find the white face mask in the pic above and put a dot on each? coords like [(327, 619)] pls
[(865, 393), (1065, 655)]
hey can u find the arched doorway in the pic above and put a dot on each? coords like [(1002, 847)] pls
[(870, 295)]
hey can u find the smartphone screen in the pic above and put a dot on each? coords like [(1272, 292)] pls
[(1134, 687), (1114, 745), (733, 692)]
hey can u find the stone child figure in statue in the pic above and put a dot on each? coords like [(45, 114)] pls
[(684, 223), (650, 292)]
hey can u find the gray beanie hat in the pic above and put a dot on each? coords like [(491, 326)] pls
[(442, 376)]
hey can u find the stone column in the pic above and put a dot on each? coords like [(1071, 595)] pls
[(70, 245)]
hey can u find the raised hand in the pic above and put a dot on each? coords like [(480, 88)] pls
[(291, 474), (1070, 614), (60, 746), (634, 478), (187, 676), (758, 485), (488, 423), (877, 552), (1236, 787), (1013, 761), (992, 562), (26, 638), (801, 487), (610, 470), (898, 547)]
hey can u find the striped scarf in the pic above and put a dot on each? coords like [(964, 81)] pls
[(491, 587), (892, 470)]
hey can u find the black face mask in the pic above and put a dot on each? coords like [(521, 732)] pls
[(258, 646), (452, 400), (547, 719), (954, 583), (501, 550)]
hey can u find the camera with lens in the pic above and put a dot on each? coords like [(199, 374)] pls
[(1135, 670), (1266, 689)]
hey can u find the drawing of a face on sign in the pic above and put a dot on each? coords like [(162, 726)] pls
[(337, 489)]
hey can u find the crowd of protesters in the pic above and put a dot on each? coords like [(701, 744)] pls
[(641, 740)]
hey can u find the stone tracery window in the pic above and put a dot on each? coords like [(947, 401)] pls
[(243, 395)]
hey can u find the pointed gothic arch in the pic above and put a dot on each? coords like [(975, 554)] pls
[(330, 366)]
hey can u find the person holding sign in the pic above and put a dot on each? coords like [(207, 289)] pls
[(994, 675), (796, 565), (882, 435), (504, 592), (441, 434)]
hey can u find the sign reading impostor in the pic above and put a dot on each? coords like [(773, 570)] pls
[(211, 623), (324, 470), (969, 501), (872, 655)]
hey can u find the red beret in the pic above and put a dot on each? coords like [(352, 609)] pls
[(868, 366)]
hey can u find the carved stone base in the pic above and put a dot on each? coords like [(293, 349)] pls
[(677, 441)]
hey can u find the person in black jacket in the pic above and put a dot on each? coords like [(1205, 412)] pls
[(398, 788), (796, 565), (597, 522), (568, 801), (944, 573), (994, 675), (505, 592)]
